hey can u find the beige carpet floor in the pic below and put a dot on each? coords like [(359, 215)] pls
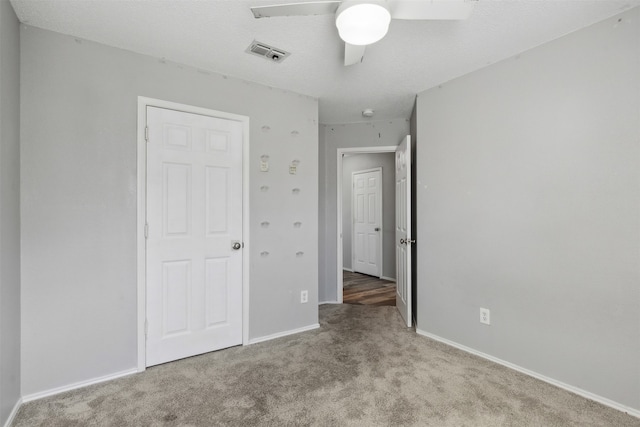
[(361, 368)]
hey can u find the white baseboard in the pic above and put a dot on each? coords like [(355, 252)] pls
[(603, 400), (80, 384), (284, 334), (350, 270), (13, 413), (390, 279), (328, 302)]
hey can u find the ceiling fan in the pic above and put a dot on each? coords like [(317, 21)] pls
[(363, 22)]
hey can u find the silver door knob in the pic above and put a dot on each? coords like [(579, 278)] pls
[(236, 246)]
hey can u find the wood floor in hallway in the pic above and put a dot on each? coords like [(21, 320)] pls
[(367, 290)]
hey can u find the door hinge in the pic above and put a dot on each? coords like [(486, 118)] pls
[(146, 133), (146, 230)]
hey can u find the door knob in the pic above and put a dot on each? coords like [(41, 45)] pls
[(236, 246), (377, 229)]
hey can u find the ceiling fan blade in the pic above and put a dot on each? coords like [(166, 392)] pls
[(353, 54), (431, 9), (296, 9)]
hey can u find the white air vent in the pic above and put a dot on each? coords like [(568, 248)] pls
[(269, 52)]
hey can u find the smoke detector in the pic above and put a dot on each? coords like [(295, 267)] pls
[(272, 54), (368, 112)]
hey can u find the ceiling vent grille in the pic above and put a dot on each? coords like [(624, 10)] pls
[(270, 53)]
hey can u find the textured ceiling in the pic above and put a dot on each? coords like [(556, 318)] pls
[(414, 56)]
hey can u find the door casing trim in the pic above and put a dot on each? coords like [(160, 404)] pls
[(143, 103)]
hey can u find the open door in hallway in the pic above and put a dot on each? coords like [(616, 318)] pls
[(367, 221), (403, 229)]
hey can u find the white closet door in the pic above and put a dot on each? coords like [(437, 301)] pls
[(367, 222), (194, 217)]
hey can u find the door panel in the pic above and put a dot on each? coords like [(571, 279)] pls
[(403, 229), (217, 180), (194, 214), (176, 284), (216, 279), (177, 199)]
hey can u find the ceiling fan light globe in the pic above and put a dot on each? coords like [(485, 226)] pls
[(363, 24)]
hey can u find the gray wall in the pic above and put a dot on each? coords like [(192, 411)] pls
[(358, 162), (529, 205), (9, 210), (332, 137), (79, 108)]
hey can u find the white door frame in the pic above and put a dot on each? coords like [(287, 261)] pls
[(143, 103), (339, 249), (353, 229)]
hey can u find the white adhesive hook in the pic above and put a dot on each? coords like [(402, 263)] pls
[(264, 163)]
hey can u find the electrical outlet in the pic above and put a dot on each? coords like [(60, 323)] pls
[(304, 297), (485, 316)]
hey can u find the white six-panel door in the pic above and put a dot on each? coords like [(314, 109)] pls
[(194, 217), (367, 222), (403, 229)]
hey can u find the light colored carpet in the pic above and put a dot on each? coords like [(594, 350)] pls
[(361, 368)]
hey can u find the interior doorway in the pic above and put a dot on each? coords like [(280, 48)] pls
[(192, 270), (377, 286)]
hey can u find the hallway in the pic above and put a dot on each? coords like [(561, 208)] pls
[(367, 290)]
